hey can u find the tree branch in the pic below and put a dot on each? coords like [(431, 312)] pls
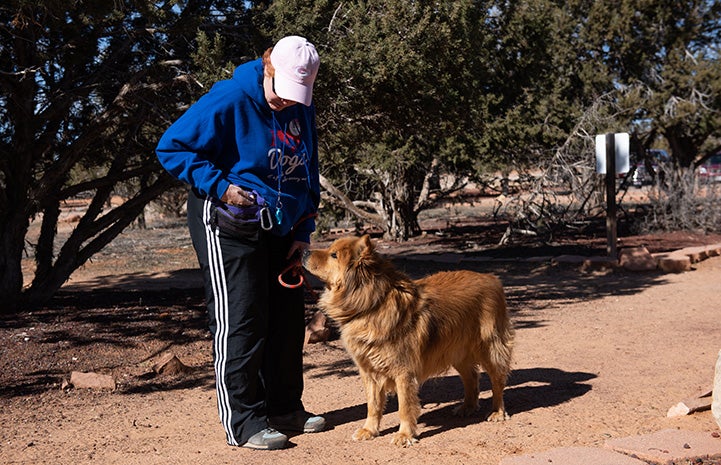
[(348, 204)]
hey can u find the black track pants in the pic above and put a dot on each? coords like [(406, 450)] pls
[(257, 325)]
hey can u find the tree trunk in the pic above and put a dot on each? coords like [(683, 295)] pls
[(45, 248), (12, 241), (400, 213)]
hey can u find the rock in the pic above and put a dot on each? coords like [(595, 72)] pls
[(714, 250), (599, 264), (691, 405), (674, 262), (170, 364), (696, 254), (91, 380), (637, 259), (716, 404)]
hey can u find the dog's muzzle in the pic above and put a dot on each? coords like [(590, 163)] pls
[(306, 256)]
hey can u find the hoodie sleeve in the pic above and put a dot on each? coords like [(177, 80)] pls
[(191, 147)]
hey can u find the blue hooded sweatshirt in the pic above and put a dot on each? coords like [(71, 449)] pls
[(231, 136)]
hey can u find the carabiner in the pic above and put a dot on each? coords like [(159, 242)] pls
[(266, 219)]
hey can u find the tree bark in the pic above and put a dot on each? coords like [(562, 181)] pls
[(12, 235)]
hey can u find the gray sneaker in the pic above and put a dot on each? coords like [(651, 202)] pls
[(267, 439), (298, 421)]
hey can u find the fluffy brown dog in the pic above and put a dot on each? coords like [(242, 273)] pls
[(401, 332)]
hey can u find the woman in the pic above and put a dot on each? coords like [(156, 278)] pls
[(249, 152)]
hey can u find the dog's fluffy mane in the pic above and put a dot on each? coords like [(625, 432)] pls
[(370, 283)]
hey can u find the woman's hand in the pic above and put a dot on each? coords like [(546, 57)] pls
[(298, 248), (236, 196)]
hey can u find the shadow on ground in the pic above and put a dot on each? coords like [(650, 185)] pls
[(528, 389), (532, 286)]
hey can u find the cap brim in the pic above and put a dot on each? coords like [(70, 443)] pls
[(290, 90)]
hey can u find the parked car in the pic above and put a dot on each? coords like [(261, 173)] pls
[(644, 171), (710, 170)]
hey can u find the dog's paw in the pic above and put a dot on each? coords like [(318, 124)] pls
[(403, 440), (464, 410), (363, 434), (498, 416)]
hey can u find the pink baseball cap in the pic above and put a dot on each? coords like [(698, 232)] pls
[(296, 64)]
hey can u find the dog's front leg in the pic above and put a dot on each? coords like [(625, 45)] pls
[(376, 404), (409, 409)]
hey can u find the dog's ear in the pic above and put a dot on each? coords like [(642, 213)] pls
[(366, 245), (364, 248)]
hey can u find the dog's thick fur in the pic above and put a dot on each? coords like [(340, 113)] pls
[(401, 332)]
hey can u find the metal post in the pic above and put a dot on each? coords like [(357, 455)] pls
[(611, 195)]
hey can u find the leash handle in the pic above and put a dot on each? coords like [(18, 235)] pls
[(297, 271)]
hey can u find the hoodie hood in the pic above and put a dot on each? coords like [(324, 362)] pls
[(249, 77)]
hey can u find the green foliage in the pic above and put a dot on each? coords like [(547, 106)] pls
[(664, 55), (394, 94), (502, 85), (407, 88), (208, 58)]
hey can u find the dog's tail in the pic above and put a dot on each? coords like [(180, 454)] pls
[(499, 336)]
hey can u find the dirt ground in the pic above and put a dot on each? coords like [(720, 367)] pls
[(599, 354)]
